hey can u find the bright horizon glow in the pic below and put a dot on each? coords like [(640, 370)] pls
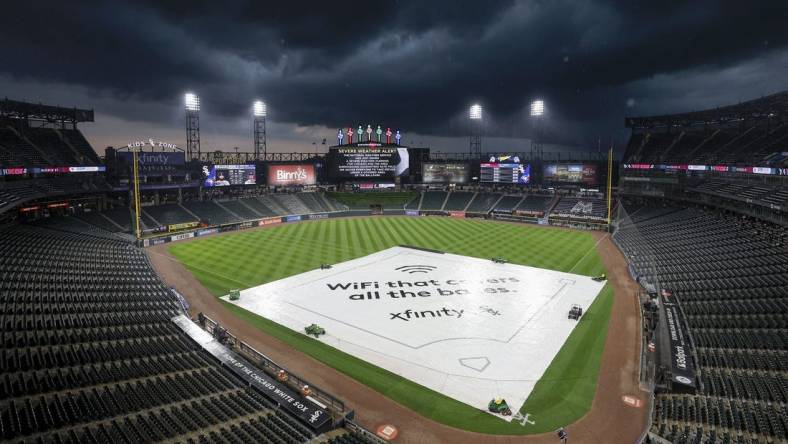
[(476, 112), (537, 108), (259, 109), (192, 102)]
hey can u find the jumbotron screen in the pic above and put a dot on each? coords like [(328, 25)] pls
[(445, 173), (291, 174), (585, 173), (226, 175), (373, 162), (505, 169)]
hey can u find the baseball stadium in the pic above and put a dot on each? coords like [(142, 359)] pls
[(362, 305), (372, 289)]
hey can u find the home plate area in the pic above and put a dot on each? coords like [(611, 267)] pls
[(471, 329)]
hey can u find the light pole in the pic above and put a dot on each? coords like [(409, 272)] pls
[(192, 103), (475, 114), (537, 111), (260, 111)]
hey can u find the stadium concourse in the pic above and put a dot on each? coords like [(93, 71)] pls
[(108, 337)]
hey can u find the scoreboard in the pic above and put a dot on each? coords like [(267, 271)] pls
[(585, 173), (226, 175), (512, 173), (368, 162), (445, 173)]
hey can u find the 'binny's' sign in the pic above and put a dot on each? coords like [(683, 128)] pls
[(151, 143)]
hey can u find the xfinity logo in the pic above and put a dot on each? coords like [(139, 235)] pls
[(156, 159), (409, 314)]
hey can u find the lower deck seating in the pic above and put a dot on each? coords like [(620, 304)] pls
[(210, 212), (99, 220), (458, 200), (121, 216), (258, 206), (507, 203), (240, 209), (89, 353), (731, 286), (291, 203), (537, 205), (483, 202), (433, 200), (580, 207), (169, 214)]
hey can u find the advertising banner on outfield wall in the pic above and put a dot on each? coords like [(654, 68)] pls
[(156, 241), (270, 221), (293, 218), (284, 175), (318, 216), (183, 236), (247, 224), (682, 368), (411, 212), (457, 213), (182, 226)]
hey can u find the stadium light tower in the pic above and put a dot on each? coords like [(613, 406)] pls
[(475, 115), (537, 112), (259, 111), (192, 103), (537, 108)]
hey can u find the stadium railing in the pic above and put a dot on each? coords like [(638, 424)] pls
[(271, 367), (370, 437)]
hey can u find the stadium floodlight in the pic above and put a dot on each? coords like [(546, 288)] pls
[(259, 109), (476, 112), (537, 108), (192, 102)]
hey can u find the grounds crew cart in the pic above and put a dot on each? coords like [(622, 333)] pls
[(499, 406), (575, 312), (315, 330)]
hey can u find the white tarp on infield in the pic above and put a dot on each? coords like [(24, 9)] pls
[(469, 328)]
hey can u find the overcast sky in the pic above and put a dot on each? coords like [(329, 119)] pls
[(410, 65)]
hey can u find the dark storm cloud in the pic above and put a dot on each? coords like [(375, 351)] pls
[(415, 64)]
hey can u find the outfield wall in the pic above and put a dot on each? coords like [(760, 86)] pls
[(266, 221), (277, 220)]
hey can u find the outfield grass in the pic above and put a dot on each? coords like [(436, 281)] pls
[(252, 258)]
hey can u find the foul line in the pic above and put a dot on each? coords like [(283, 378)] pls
[(200, 269), (589, 251)]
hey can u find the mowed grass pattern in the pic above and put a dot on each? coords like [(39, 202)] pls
[(251, 258)]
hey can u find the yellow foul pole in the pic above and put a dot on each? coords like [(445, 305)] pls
[(136, 194), (609, 182)]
